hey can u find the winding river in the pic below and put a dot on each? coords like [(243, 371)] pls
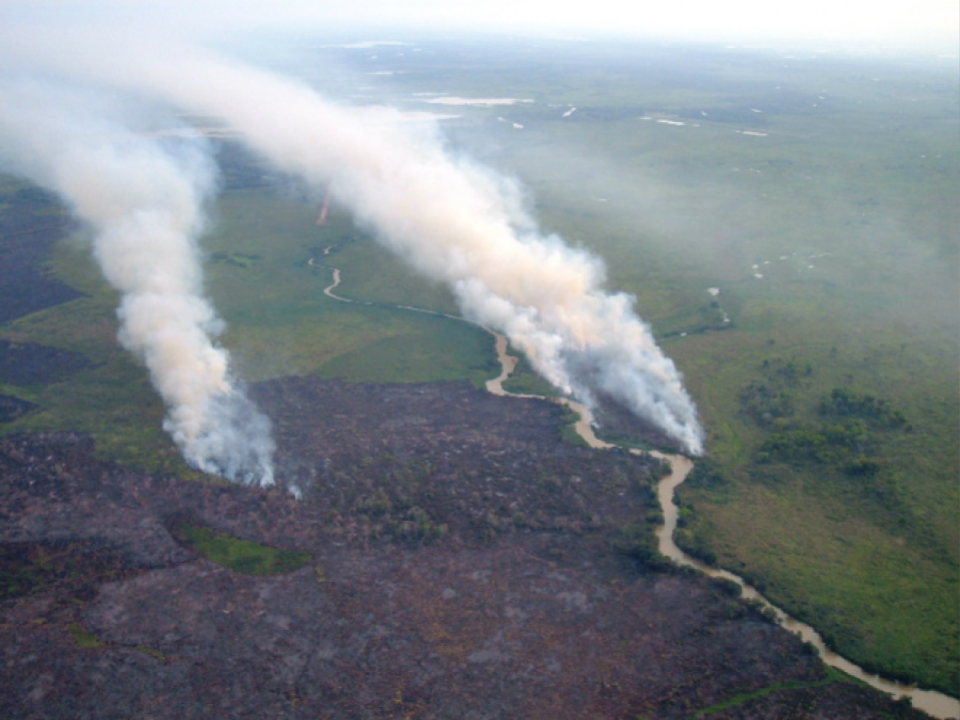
[(931, 702)]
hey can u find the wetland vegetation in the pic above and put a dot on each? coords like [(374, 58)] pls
[(815, 193)]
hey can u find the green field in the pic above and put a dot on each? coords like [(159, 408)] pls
[(843, 201), (279, 323)]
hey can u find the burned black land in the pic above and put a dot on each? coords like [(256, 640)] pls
[(31, 221), (464, 562), (27, 363)]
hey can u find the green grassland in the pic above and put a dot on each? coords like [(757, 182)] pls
[(279, 323), (847, 207)]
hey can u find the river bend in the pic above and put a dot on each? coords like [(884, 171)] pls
[(934, 703)]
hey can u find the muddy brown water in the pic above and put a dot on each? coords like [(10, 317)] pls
[(931, 702)]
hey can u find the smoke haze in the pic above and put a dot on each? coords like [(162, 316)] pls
[(143, 201), (449, 218)]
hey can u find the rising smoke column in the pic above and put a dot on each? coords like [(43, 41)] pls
[(143, 200), (454, 222), (450, 219)]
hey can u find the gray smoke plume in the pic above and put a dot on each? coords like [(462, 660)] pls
[(143, 201), (458, 223), (449, 218)]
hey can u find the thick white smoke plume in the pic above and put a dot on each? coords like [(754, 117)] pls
[(143, 201), (451, 219)]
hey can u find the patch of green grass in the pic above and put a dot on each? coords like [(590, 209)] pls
[(568, 430), (431, 349), (851, 554), (525, 381), (23, 572), (281, 323), (748, 697), (84, 638), (242, 556), (152, 652), (822, 561), (832, 675), (371, 272)]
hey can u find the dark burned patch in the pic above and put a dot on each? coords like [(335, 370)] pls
[(33, 364), (12, 407), (527, 620), (67, 568), (445, 462), (31, 222), (833, 700)]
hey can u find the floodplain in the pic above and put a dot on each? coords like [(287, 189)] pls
[(814, 192)]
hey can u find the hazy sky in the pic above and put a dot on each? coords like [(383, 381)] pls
[(933, 25)]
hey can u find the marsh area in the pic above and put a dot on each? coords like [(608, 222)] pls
[(815, 193)]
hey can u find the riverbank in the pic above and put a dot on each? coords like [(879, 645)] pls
[(934, 703)]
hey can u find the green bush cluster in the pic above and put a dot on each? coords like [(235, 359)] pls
[(415, 526), (843, 402), (706, 473), (763, 403), (773, 398), (638, 542), (787, 371), (844, 437), (828, 443), (242, 556)]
